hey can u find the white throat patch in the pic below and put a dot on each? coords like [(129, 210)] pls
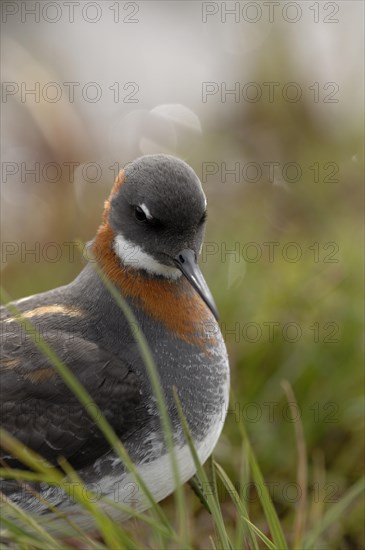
[(132, 255)]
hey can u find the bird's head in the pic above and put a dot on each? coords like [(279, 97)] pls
[(157, 212)]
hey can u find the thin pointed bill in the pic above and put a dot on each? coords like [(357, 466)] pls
[(186, 261)]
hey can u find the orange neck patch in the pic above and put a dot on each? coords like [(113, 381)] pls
[(172, 302)]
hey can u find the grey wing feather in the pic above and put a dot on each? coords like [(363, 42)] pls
[(38, 408)]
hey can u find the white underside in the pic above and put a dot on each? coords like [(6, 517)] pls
[(132, 255), (157, 475)]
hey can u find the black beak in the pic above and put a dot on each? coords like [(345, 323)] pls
[(186, 261)]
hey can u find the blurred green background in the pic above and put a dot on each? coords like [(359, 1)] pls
[(283, 176)]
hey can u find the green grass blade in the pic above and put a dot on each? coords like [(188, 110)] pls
[(110, 531), (265, 499), (28, 457), (260, 534), (214, 547), (302, 468), (55, 477), (153, 522), (334, 513), (13, 532), (197, 487), (266, 502), (242, 529), (241, 507), (31, 522), (210, 499), (24, 475)]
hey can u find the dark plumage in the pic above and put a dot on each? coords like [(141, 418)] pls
[(157, 207)]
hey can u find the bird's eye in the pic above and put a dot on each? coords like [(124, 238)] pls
[(203, 218), (139, 214)]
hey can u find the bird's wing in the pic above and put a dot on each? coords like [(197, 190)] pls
[(40, 410)]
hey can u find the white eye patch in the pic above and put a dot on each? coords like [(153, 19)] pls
[(146, 211)]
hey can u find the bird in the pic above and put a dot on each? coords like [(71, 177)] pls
[(147, 245)]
